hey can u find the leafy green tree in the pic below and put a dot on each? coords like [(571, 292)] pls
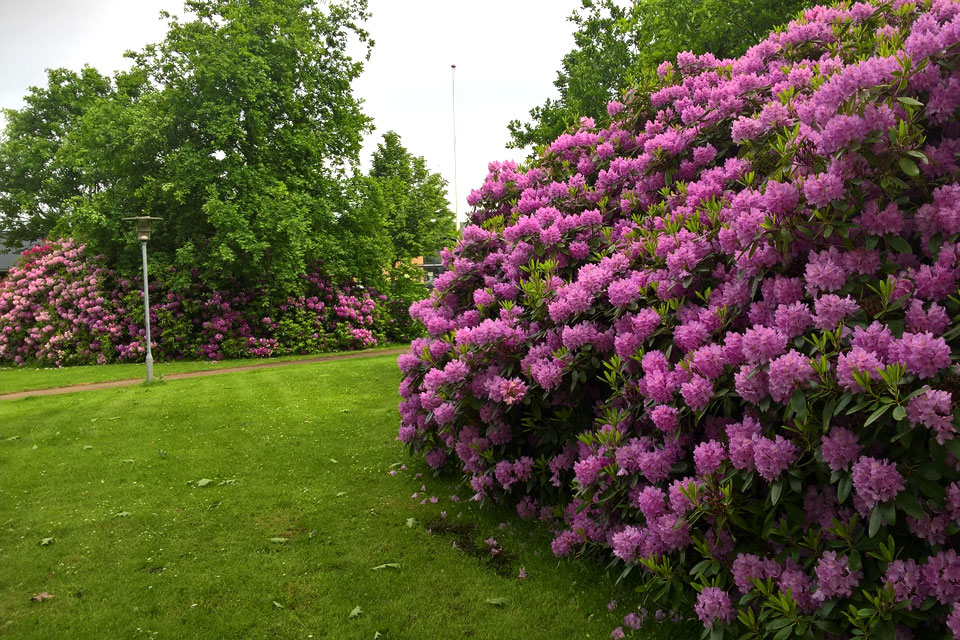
[(416, 212), (35, 184), (616, 43), (240, 130), (363, 249)]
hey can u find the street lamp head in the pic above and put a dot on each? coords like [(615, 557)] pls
[(143, 226)]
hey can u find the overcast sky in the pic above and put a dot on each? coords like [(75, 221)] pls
[(507, 53)]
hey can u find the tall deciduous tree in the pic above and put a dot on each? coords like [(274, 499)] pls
[(35, 184), (240, 130), (416, 212), (616, 42)]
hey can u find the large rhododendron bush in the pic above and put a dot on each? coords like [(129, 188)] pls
[(60, 305), (715, 339)]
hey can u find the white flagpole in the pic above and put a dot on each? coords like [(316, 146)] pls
[(456, 190)]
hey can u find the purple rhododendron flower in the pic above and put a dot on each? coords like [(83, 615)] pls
[(934, 410), (953, 621), (840, 448), (834, 577), (697, 392), (634, 620), (763, 344), (773, 457), (436, 458), (876, 481), (713, 604), (787, 373), (861, 361), (923, 353), (748, 567), (830, 310), (708, 456)]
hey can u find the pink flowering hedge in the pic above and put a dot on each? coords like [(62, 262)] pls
[(60, 306), (716, 338)]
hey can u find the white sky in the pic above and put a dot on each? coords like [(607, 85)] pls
[(506, 51)]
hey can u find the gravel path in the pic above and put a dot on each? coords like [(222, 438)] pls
[(196, 374)]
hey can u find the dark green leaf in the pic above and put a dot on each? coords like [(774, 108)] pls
[(843, 488), (953, 446), (909, 504), (909, 167), (784, 633), (910, 102), (899, 244), (798, 402), (877, 413), (885, 631), (876, 519), (828, 410), (889, 512), (929, 472)]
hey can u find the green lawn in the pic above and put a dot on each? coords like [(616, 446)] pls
[(259, 505), (32, 377)]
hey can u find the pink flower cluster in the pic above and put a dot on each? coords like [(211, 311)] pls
[(722, 324), (60, 306)]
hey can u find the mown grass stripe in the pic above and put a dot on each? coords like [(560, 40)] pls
[(198, 562)]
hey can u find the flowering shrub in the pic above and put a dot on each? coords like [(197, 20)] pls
[(53, 309), (59, 306), (715, 338)]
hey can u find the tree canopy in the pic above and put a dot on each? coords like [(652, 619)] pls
[(416, 212), (35, 184), (239, 129), (617, 43)]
